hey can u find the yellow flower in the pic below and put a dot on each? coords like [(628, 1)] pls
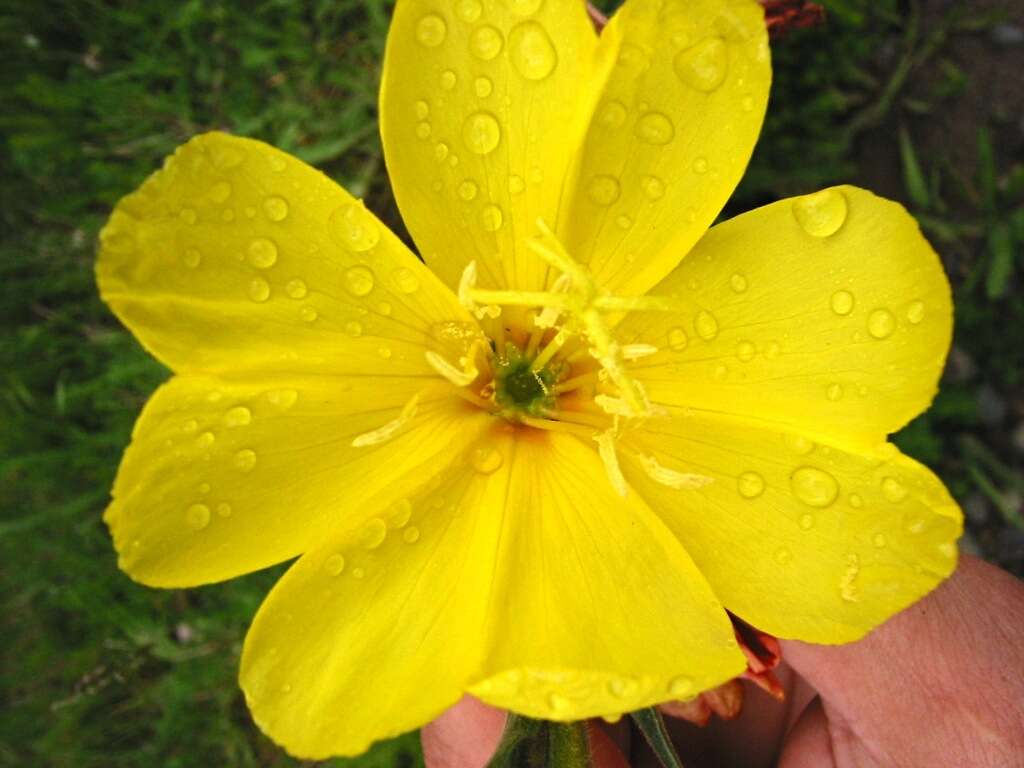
[(538, 470)]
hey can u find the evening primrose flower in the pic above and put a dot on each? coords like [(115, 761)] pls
[(540, 467)]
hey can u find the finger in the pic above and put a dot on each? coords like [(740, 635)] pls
[(951, 661), (808, 744)]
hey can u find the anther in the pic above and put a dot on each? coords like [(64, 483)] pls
[(389, 430)]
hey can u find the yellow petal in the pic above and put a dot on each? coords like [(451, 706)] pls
[(227, 475), (670, 137), (237, 256), (482, 106), (828, 313), (378, 629), (597, 609), (803, 540)]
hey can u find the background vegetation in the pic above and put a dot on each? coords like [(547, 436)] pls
[(920, 100)]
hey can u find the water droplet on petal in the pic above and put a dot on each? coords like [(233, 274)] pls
[(750, 485), (275, 208), (834, 392), (359, 281), (411, 534), (308, 314), (487, 460), (355, 227), (706, 325), (842, 302), (881, 323), (373, 534), (612, 114), (485, 42), (384, 352), (467, 190), (516, 184), (259, 290), (282, 398), (806, 521), (893, 490), (677, 339), (354, 328), (296, 289), (603, 190), (878, 540), (745, 351), (423, 130), (703, 66), (655, 128), (681, 686), (856, 501), (224, 509), (192, 258), (276, 163), (406, 280), (245, 460), (448, 79), (481, 133), (525, 7), (262, 253), (188, 215), (738, 283), (334, 564), (238, 416), (491, 218), (206, 439), (431, 30), (822, 213), (700, 166), (783, 556), (915, 312), (220, 192), (558, 702), (197, 517), (531, 51), (799, 444), (358, 573), (483, 87), (653, 187), (814, 487)]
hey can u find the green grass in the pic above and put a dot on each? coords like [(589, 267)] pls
[(97, 671)]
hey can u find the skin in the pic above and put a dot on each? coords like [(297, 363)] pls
[(940, 684)]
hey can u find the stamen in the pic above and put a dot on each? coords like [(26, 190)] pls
[(389, 430), (672, 478), (520, 298), (460, 378), (549, 315), (580, 417), (475, 399), (575, 382), (466, 284), (557, 426), (606, 450), (549, 351), (638, 351), (614, 406)]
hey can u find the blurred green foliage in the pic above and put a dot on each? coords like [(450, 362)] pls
[(97, 671)]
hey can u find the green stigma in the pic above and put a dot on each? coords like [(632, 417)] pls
[(518, 388)]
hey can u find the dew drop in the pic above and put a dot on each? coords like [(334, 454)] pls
[(308, 314), (431, 30), (703, 66), (738, 283), (706, 325), (750, 485), (822, 213), (653, 187), (681, 686), (282, 398), (700, 166), (468, 190), (847, 584), (276, 163), (400, 517), (856, 501), (358, 573), (355, 227), (772, 350), (262, 253), (881, 323), (441, 151), (423, 130), (296, 289), (947, 549), (406, 280), (245, 460), (334, 564), (612, 115), (915, 312), (806, 521), (206, 439), (487, 460), (814, 487), (485, 42), (422, 109), (448, 79), (224, 156), (783, 556), (799, 444), (525, 7), (188, 215), (220, 192), (275, 208), (623, 221), (373, 534), (516, 184), (745, 351), (259, 290), (197, 517), (893, 490), (481, 133), (239, 416), (468, 10), (834, 392), (192, 258), (655, 128), (359, 281), (603, 190), (558, 702), (878, 540), (411, 534), (677, 339), (354, 328), (190, 426), (531, 51), (842, 302), (224, 509), (483, 87), (491, 218)]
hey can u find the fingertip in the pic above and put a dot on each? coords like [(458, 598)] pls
[(464, 736)]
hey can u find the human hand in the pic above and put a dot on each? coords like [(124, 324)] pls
[(940, 684)]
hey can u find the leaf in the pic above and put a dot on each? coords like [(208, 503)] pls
[(913, 178), (528, 743), (1000, 269), (568, 746), (652, 726), (986, 169)]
